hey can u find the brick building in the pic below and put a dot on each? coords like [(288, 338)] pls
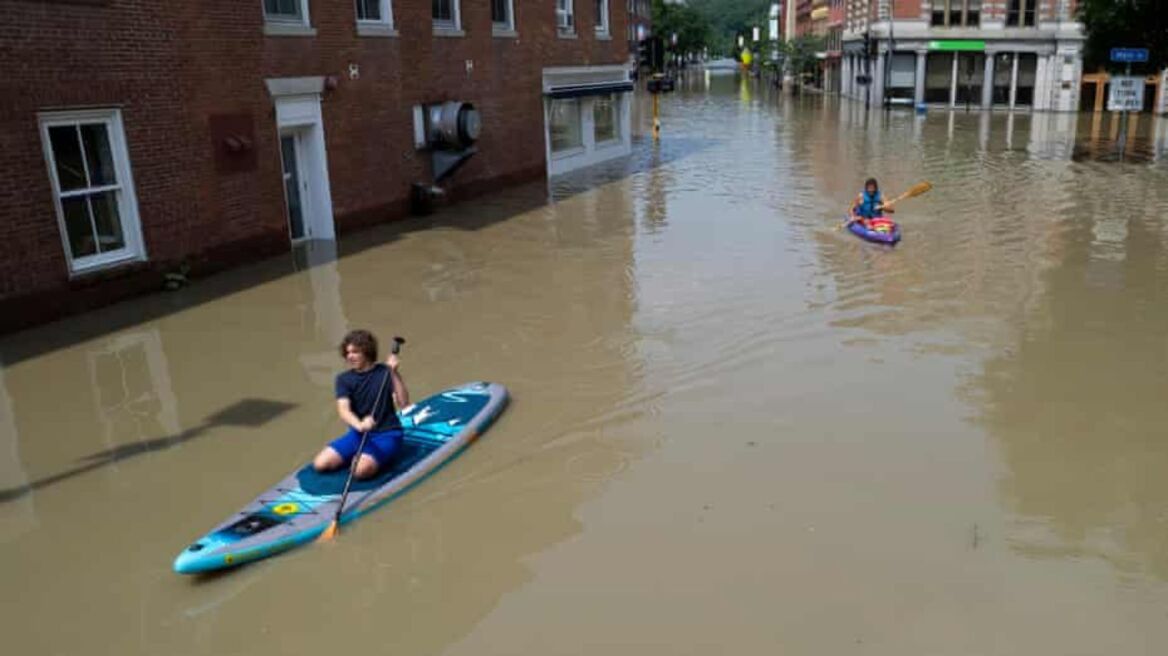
[(980, 53), (640, 22), (136, 136)]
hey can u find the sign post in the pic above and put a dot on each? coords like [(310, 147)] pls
[(1127, 92)]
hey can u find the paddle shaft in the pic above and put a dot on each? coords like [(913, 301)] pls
[(916, 190), (395, 349)]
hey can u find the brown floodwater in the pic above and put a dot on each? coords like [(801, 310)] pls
[(734, 429)]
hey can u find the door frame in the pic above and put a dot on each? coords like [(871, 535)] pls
[(298, 153), (299, 114)]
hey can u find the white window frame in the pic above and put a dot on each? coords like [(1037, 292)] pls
[(571, 151), (380, 27), (281, 25), (133, 250), (452, 27), (566, 8), (617, 138), (505, 28), (602, 24)]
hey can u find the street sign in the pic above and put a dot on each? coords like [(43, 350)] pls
[(1127, 94), (958, 45), (1129, 55)]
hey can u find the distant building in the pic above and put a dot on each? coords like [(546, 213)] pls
[(833, 46), (980, 53), (640, 23)]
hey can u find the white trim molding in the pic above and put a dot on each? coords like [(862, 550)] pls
[(451, 26), (299, 24), (380, 26), (294, 86)]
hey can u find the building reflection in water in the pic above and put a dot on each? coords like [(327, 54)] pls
[(18, 516)]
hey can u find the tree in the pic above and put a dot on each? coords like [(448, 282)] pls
[(800, 54), (727, 19), (1119, 23), (691, 28)]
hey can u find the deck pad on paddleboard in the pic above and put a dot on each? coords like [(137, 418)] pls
[(298, 509)]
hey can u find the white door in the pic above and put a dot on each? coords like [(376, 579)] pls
[(295, 185)]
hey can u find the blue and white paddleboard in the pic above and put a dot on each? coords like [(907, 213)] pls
[(299, 508)]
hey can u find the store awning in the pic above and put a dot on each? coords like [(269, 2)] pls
[(597, 89)]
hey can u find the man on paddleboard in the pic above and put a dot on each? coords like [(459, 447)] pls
[(366, 394)]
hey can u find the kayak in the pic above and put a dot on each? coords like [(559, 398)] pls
[(883, 231), (299, 508)]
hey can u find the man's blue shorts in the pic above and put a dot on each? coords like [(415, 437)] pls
[(380, 445)]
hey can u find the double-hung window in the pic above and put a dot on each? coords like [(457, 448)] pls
[(1021, 13), (374, 17), (445, 15), (286, 18), (565, 17), (601, 17), (502, 16), (94, 195), (956, 13)]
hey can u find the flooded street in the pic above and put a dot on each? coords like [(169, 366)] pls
[(733, 429)]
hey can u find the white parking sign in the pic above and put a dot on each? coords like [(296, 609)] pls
[(1127, 94)]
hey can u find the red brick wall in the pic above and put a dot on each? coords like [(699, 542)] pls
[(173, 66)]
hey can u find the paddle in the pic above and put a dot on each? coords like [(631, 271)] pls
[(914, 191), (330, 531)]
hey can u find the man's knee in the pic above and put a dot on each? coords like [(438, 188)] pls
[(327, 460), (366, 466)]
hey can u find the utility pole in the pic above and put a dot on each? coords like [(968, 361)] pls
[(887, 7)]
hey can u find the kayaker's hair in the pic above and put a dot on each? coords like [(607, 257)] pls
[(363, 341), (872, 181)]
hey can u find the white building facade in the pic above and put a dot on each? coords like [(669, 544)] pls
[(984, 54)]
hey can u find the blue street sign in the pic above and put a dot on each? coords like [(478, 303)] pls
[(1129, 55)]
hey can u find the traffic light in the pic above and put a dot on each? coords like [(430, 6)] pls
[(644, 54), (657, 53)]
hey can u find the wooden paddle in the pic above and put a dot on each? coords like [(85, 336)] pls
[(330, 531), (914, 191)]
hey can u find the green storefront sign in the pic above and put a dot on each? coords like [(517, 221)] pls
[(958, 45)]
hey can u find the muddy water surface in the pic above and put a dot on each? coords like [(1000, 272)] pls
[(734, 428)]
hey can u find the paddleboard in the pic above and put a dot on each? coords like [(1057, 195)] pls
[(299, 508)]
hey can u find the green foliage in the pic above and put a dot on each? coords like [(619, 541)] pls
[(726, 19), (1125, 23), (691, 28), (800, 53)]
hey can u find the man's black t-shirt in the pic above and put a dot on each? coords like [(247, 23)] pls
[(360, 387)]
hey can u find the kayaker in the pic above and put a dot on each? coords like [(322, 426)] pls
[(869, 204), (366, 394)]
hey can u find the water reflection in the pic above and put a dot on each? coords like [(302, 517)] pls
[(1075, 404), (250, 373), (20, 517)]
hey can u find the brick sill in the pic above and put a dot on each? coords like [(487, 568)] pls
[(566, 35), (448, 32), (603, 36), (504, 33)]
